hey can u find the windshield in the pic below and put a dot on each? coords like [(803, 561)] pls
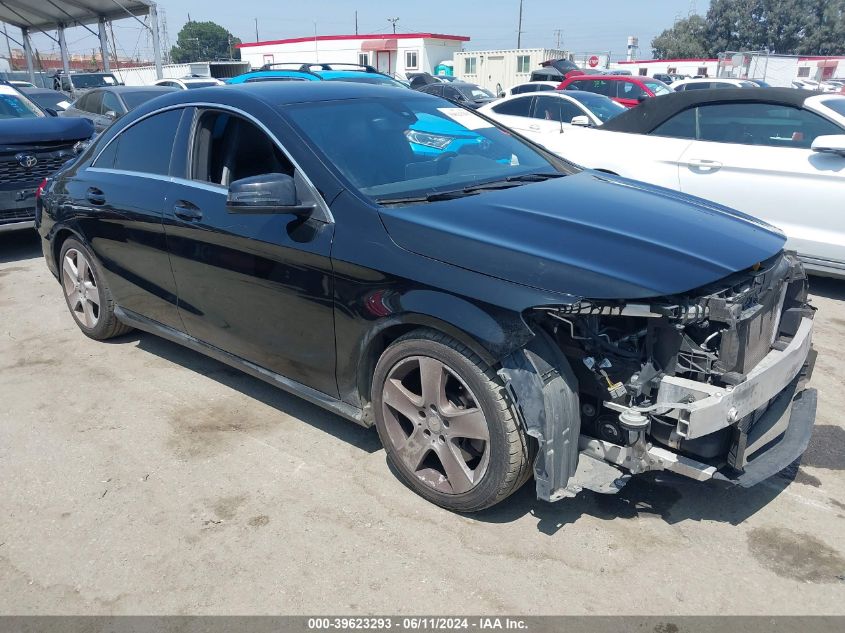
[(82, 80), (134, 99), (369, 78), (16, 106), (603, 107), (475, 93), (658, 87), (837, 105), (54, 100), (414, 145)]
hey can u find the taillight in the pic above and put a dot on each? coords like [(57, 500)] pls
[(40, 189)]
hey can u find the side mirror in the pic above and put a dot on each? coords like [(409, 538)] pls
[(111, 114), (829, 144), (267, 193), (642, 98), (582, 120)]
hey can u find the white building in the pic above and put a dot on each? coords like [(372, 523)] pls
[(500, 70), (781, 70), (394, 54), (648, 67)]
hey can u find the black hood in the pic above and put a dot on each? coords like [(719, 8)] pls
[(589, 235), (44, 130)]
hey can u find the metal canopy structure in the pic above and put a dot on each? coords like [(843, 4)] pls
[(48, 15)]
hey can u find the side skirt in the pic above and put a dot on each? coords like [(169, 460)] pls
[(298, 389)]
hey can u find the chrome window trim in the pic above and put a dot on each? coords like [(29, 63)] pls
[(324, 207)]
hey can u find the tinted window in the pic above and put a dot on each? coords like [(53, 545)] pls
[(199, 84), (135, 98), (518, 90), (515, 107), (761, 124), (228, 148), (452, 93), (110, 104), (682, 125), (599, 86), (555, 109), (145, 147), (699, 85), (91, 102), (628, 90)]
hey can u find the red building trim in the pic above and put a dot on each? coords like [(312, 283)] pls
[(376, 36)]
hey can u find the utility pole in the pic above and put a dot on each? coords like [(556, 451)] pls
[(558, 34), (256, 29), (356, 22), (519, 27), (393, 21)]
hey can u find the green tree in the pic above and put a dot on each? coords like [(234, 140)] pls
[(686, 39), (203, 41), (797, 27)]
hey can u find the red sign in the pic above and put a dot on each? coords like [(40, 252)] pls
[(593, 61)]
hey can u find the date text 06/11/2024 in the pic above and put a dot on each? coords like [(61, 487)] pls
[(416, 623)]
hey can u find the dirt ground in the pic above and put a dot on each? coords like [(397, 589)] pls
[(137, 477)]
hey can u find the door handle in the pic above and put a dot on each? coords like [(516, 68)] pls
[(187, 211), (95, 196), (702, 164)]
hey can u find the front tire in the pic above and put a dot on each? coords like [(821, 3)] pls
[(87, 294), (447, 424)]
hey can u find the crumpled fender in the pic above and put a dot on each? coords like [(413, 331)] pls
[(544, 391)]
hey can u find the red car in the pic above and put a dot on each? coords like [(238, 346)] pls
[(629, 90)]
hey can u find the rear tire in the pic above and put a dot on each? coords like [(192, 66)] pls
[(87, 294), (447, 424)]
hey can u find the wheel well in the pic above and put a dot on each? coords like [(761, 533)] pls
[(383, 339), (369, 358), (58, 240)]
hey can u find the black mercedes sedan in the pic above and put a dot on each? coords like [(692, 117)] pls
[(493, 310)]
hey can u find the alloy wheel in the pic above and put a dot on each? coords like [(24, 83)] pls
[(80, 288), (435, 424)]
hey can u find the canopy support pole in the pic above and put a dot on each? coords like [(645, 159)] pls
[(156, 44), (104, 44), (63, 51), (27, 50)]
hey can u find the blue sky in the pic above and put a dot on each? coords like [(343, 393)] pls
[(585, 26)]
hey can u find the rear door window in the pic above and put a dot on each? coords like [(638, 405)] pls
[(599, 86), (630, 90), (144, 147), (682, 125), (554, 109), (515, 107), (766, 124), (110, 103)]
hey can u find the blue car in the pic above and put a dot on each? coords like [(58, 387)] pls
[(317, 72)]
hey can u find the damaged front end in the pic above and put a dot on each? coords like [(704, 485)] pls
[(709, 384)]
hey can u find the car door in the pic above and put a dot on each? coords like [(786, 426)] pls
[(756, 157), (120, 202), (258, 286), (515, 113), (629, 93)]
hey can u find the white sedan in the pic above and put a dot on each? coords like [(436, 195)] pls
[(775, 153), (705, 83), (543, 115)]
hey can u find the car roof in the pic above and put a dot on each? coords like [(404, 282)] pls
[(28, 90), (126, 89), (278, 94), (652, 112), (607, 77)]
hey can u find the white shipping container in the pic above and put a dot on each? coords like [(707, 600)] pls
[(500, 70)]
